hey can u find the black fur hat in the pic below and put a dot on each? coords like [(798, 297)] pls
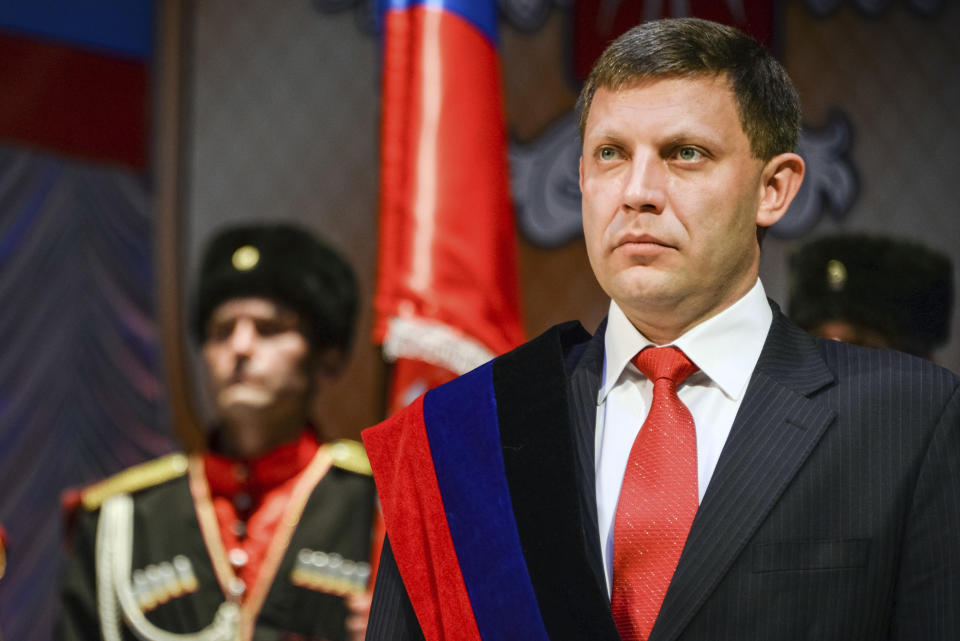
[(900, 289), (283, 263)]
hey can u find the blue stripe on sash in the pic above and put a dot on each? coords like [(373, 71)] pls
[(464, 436)]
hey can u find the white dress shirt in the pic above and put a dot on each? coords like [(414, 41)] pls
[(725, 348)]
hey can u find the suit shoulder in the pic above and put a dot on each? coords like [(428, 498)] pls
[(886, 367), (558, 344), (134, 479), (350, 455), (568, 336), (880, 358)]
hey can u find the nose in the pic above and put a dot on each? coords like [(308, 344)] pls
[(243, 337), (645, 186)]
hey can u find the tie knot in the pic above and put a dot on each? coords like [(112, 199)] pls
[(664, 362)]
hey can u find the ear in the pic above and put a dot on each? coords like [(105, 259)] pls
[(581, 173), (324, 370), (781, 177)]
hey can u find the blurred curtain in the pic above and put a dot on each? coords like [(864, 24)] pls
[(80, 384)]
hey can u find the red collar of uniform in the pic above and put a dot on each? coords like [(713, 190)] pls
[(228, 476)]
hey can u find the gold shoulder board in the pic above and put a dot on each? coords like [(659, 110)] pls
[(350, 455), (134, 479)]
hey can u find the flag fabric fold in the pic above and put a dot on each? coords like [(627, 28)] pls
[(447, 296)]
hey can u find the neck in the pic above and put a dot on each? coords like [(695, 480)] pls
[(666, 323), (250, 434)]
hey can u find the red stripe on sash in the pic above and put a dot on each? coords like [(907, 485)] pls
[(420, 538)]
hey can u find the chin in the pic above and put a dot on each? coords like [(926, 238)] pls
[(641, 287), (240, 397)]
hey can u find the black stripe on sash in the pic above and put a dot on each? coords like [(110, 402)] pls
[(539, 454)]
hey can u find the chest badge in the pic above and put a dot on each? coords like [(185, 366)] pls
[(158, 583), (330, 572)]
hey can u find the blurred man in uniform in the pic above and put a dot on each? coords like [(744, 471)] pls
[(266, 536), (873, 291)]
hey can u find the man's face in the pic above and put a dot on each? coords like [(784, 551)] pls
[(841, 330), (670, 198), (256, 356)]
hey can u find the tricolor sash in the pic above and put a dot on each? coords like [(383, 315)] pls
[(446, 502)]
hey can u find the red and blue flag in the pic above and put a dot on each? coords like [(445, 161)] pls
[(447, 295)]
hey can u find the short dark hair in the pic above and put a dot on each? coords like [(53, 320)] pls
[(766, 99), (284, 263)]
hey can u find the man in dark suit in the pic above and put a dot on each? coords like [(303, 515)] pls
[(700, 468)]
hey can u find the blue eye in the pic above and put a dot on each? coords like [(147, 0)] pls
[(608, 153), (689, 154)]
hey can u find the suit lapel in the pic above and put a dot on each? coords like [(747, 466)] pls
[(548, 471), (775, 430), (586, 371)]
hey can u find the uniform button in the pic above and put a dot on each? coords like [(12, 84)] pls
[(237, 587), (238, 557), (241, 501), (241, 472)]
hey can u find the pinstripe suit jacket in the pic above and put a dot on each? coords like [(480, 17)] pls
[(833, 513)]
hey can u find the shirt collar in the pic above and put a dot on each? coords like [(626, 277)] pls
[(744, 324), (228, 476)]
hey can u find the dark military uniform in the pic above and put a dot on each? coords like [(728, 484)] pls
[(148, 560), (150, 553)]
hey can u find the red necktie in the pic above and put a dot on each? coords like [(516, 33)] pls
[(658, 499)]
